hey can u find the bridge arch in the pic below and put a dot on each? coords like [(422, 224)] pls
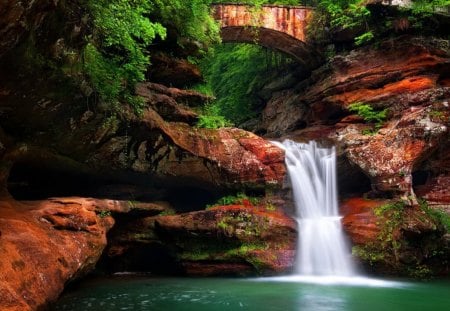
[(278, 27)]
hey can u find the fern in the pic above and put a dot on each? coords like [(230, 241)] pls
[(369, 114)]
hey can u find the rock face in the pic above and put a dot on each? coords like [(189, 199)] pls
[(176, 72), (390, 156), (226, 158), (407, 76), (360, 221), (224, 240), (391, 239), (156, 145), (17, 18), (408, 155), (45, 245)]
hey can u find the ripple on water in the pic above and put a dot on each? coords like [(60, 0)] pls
[(335, 280)]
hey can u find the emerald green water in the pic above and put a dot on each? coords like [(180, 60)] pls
[(284, 294)]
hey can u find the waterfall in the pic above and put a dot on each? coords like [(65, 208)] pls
[(321, 248)]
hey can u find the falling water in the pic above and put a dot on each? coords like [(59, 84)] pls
[(322, 249)]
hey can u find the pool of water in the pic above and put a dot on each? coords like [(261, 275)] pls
[(281, 293)]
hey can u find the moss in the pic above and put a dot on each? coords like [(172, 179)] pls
[(243, 224), (219, 251), (440, 217), (420, 272), (248, 253), (384, 250), (368, 253), (103, 214), (401, 249), (391, 215)]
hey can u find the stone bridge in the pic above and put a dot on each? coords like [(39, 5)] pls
[(278, 27)]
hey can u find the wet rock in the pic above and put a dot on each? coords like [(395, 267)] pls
[(395, 239), (437, 192), (359, 221), (389, 157), (224, 240)]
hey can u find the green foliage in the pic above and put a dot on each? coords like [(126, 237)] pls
[(242, 224), (369, 114), (220, 252), (438, 215), (270, 207), (394, 207), (246, 248), (343, 14), (212, 121), (104, 213), (115, 57), (262, 2), (233, 72), (191, 19), (392, 214), (364, 38), (239, 199), (368, 253), (420, 272), (424, 7), (392, 244), (353, 14)]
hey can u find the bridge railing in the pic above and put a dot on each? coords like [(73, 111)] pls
[(301, 4)]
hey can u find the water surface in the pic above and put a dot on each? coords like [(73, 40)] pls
[(283, 294)]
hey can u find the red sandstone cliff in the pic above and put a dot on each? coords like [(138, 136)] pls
[(46, 134)]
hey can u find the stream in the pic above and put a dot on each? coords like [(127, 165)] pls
[(128, 292)]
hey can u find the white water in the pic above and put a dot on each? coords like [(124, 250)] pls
[(322, 250)]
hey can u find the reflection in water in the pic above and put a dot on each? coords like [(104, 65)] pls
[(315, 298)]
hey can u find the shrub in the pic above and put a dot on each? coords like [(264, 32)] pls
[(233, 72), (240, 198), (212, 122), (369, 114), (115, 58)]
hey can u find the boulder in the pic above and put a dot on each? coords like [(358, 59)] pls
[(359, 221), (226, 158), (45, 245), (390, 156), (224, 240), (391, 238)]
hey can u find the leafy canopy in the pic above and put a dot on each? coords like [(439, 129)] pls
[(191, 19), (116, 54), (233, 73)]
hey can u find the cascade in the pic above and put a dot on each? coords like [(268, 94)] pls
[(321, 248)]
